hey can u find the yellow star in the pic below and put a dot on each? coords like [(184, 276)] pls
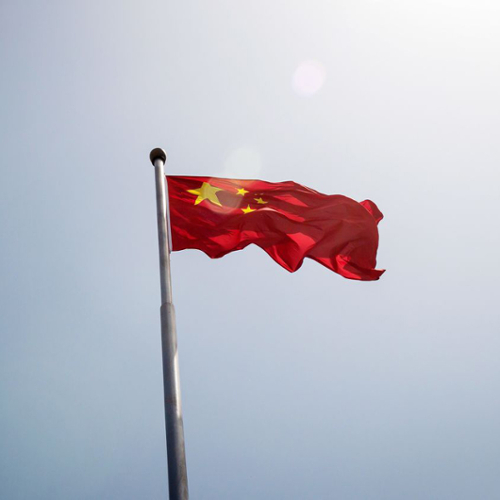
[(247, 210), (206, 192), (242, 191), (260, 201)]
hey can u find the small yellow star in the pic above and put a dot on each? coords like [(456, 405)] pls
[(206, 192), (242, 191), (247, 210), (260, 201)]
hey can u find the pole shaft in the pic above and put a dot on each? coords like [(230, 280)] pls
[(176, 454), (161, 212)]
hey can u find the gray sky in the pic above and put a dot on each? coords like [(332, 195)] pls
[(297, 386)]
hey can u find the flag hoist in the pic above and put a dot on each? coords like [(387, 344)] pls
[(176, 453)]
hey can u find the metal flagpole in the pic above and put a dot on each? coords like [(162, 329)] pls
[(176, 454)]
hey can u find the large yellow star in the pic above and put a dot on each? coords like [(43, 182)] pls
[(260, 201), (247, 210), (206, 192), (242, 191)]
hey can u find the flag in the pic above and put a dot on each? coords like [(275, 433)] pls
[(287, 220)]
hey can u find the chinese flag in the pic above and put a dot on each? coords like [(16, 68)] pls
[(285, 219)]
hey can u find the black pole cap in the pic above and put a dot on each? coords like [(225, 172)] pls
[(157, 154)]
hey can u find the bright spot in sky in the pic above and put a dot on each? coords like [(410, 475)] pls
[(243, 163), (308, 78)]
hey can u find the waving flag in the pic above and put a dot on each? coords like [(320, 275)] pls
[(287, 220)]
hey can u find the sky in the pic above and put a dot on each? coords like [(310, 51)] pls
[(298, 386)]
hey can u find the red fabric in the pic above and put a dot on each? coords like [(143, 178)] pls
[(285, 219)]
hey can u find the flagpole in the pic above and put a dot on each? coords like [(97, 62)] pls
[(176, 453)]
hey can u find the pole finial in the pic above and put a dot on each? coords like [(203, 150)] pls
[(157, 154)]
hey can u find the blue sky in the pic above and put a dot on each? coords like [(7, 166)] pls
[(297, 386)]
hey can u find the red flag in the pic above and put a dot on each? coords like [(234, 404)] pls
[(285, 219)]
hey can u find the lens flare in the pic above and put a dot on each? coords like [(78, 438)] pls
[(242, 163), (308, 78)]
